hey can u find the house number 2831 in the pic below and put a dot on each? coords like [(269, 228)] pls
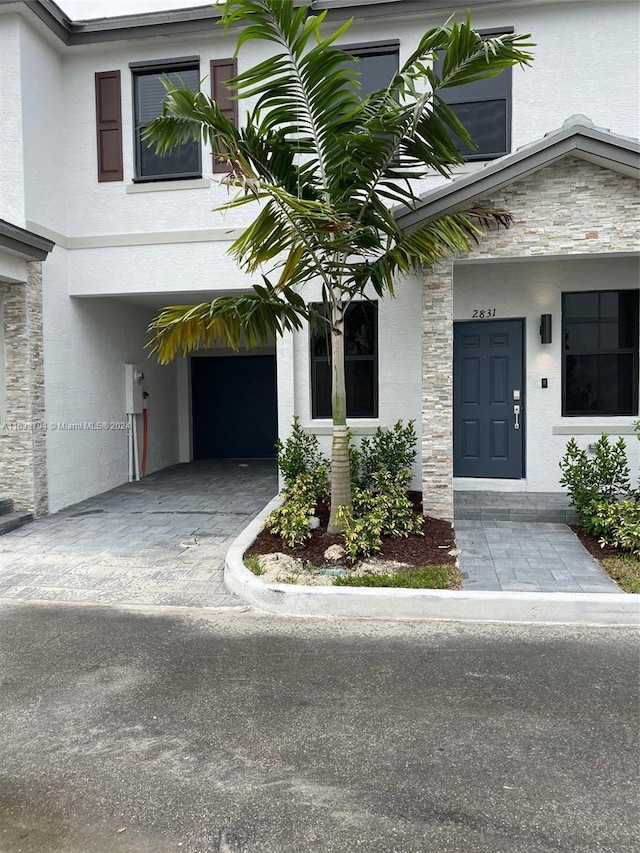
[(483, 313)]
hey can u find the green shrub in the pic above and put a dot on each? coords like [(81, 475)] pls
[(385, 512), (300, 454), (391, 450), (601, 479), (391, 503), (361, 535), (291, 520), (618, 524)]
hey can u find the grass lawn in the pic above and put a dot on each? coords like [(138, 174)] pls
[(622, 566), (420, 577), (625, 571)]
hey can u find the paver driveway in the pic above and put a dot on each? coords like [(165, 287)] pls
[(161, 541)]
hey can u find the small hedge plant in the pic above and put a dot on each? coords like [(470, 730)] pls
[(391, 450), (600, 489), (300, 454), (380, 470), (386, 511), (290, 521)]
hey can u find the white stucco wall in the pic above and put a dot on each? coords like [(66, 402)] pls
[(44, 138), (11, 132), (399, 362), (108, 208), (563, 80), (527, 289), (86, 345), (157, 269)]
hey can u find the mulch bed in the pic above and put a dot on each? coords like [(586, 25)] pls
[(592, 545), (431, 549)]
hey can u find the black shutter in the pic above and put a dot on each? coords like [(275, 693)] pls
[(221, 71), (109, 126)]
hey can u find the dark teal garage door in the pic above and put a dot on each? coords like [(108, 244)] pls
[(234, 407)]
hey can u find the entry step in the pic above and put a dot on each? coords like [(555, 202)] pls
[(12, 520), (513, 506)]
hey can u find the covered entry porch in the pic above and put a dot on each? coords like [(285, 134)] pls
[(572, 255)]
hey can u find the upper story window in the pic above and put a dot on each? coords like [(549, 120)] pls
[(484, 108), (600, 352), (377, 64), (148, 97), (361, 363)]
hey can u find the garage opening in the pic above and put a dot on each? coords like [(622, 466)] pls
[(234, 407)]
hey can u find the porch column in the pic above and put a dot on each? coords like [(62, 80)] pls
[(23, 462), (437, 391)]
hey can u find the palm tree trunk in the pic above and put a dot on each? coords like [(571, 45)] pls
[(340, 472)]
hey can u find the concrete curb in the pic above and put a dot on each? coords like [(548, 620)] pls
[(560, 608)]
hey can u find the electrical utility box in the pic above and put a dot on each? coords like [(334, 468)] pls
[(133, 378)]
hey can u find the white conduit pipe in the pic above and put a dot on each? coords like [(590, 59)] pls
[(136, 458), (130, 447)]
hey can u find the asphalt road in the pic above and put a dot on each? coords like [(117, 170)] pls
[(246, 733)]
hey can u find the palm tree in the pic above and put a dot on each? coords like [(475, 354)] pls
[(323, 166)]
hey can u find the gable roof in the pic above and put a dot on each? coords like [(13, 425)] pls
[(576, 138)]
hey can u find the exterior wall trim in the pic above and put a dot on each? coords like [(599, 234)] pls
[(153, 238)]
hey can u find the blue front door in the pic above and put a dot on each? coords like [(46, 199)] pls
[(488, 398)]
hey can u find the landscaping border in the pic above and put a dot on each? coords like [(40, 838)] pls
[(437, 605)]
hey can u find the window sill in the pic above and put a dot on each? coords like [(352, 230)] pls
[(596, 428), (162, 186), (355, 428)]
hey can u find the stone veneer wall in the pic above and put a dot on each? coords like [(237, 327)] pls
[(23, 467), (570, 207), (437, 391)]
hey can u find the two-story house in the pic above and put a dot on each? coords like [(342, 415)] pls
[(499, 356)]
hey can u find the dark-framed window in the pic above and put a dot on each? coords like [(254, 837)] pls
[(377, 65), (484, 108), (148, 97), (361, 363), (600, 352)]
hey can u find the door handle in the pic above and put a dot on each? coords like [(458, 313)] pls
[(516, 412)]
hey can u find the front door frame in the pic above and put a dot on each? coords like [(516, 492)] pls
[(523, 395)]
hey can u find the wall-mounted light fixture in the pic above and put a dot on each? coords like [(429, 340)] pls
[(545, 328)]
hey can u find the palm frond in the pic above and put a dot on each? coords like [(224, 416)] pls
[(446, 236), (234, 321)]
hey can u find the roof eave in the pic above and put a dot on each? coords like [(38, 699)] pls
[(73, 33), (189, 20), (25, 244)]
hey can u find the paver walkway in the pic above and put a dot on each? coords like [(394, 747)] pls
[(526, 556), (161, 541)]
